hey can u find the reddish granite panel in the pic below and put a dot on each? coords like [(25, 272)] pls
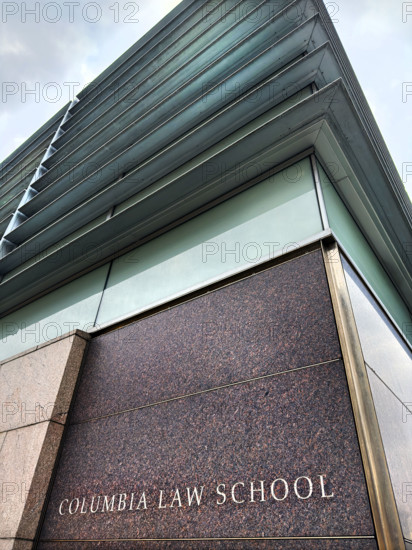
[(273, 321), (334, 544), (287, 426)]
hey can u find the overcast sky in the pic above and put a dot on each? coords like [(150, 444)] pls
[(63, 46)]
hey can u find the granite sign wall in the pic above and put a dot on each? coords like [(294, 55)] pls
[(223, 422)]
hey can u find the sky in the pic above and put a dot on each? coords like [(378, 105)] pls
[(51, 50)]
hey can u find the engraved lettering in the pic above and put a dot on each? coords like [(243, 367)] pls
[(233, 492), (255, 491), (272, 489), (97, 507), (160, 500), (322, 485), (142, 501), (295, 488), (176, 498), (122, 502), (261, 491), (61, 504), (108, 505), (194, 494), (77, 501), (83, 510), (219, 492)]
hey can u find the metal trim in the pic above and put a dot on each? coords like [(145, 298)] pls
[(382, 501), (319, 193), (205, 539)]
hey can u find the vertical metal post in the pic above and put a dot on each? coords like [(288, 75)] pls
[(382, 500)]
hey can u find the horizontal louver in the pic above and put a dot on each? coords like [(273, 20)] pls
[(166, 127)]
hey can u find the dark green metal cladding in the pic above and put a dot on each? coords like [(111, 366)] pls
[(211, 88)]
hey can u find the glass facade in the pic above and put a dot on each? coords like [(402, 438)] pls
[(73, 306), (251, 227), (271, 218), (389, 367), (355, 244)]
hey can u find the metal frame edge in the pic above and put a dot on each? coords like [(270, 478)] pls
[(384, 511)]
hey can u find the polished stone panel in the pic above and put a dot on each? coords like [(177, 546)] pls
[(38, 386), (36, 389), (273, 321), (27, 458), (11, 544), (286, 426)]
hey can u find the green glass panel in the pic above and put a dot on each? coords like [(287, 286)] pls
[(73, 306), (362, 255), (271, 217)]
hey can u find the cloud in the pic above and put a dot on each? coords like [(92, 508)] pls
[(37, 52), (379, 47), (39, 58)]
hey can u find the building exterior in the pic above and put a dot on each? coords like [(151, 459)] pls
[(205, 300)]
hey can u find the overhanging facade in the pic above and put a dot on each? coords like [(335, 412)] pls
[(230, 142)]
